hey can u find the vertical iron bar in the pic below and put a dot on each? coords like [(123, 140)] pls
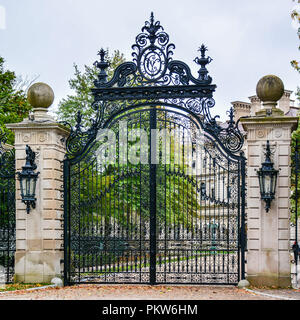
[(118, 192), (8, 234), (239, 224), (97, 212), (140, 198), (66, 184), (165, 204), (152, 197), (114, 228), (81, 183), (243, 204), (228, 222), (296, 172)]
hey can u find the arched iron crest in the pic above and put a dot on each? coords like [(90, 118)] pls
[(153, 77)]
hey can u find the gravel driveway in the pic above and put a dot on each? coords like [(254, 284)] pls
[(139, 292)]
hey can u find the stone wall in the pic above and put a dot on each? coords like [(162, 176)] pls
[(39, 234), (268, 257)]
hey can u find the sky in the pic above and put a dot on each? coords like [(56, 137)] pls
[(246, 39)]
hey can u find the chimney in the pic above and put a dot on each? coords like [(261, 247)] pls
[(241, 109), (285, 102), (255, 105)]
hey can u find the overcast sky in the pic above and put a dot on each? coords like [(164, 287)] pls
[(246, 39)]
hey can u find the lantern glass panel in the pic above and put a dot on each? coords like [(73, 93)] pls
[(274, 180), (261, 183), (32, 186), (27, 191), (268, 183)]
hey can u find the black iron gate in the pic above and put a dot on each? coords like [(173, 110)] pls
[(7, 211), (295, 209), (154, 190)]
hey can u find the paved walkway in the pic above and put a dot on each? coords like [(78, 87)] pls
[(140, 292)]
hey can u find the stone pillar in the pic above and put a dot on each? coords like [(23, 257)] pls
[(39, 234), (268, 256)]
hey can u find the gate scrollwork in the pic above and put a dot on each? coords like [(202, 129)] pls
[(154, 222), (154, 78), (7, 208)]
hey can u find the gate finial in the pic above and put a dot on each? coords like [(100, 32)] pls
[(152, 18), (102, 65), (152, 28), (40, 95), (203, 61)]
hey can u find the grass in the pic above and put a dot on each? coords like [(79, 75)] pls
[(21, 286)]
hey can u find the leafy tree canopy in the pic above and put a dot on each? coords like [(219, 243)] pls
[(13, 102), (295, 201), (296, 17), (81, 83)]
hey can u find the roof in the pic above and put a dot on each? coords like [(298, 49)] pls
[(293, 112)]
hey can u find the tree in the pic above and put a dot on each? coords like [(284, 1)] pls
[(14, 106), (296, 17), (295, 201), (82, 83)]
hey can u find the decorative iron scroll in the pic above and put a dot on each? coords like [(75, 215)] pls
[(78, 137), (153, 78), (7, 209), (231, 136), (165, 222), (153, 64), (295, 208), (197, 217), (7, 158)]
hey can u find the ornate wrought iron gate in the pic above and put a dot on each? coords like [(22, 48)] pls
[(154, 190), (7, 211), (295, 205)]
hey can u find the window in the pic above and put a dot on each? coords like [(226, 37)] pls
[(203, 191)]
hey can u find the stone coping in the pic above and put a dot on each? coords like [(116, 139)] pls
[(38, 125), (270, 120)]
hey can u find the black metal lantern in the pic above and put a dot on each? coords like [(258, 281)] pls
[(267, 179), (28, 178)]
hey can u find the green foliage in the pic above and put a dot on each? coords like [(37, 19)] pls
[(21, 286), (7, 259), (13, 102), (124, 200), (295, 15), (82, 83)]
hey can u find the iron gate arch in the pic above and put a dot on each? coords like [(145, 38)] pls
[(154, 221)]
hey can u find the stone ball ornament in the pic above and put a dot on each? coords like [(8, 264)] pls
[(270, 88), (40, 95)]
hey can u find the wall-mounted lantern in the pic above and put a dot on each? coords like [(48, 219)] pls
[(267, 176), (28, 178)]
